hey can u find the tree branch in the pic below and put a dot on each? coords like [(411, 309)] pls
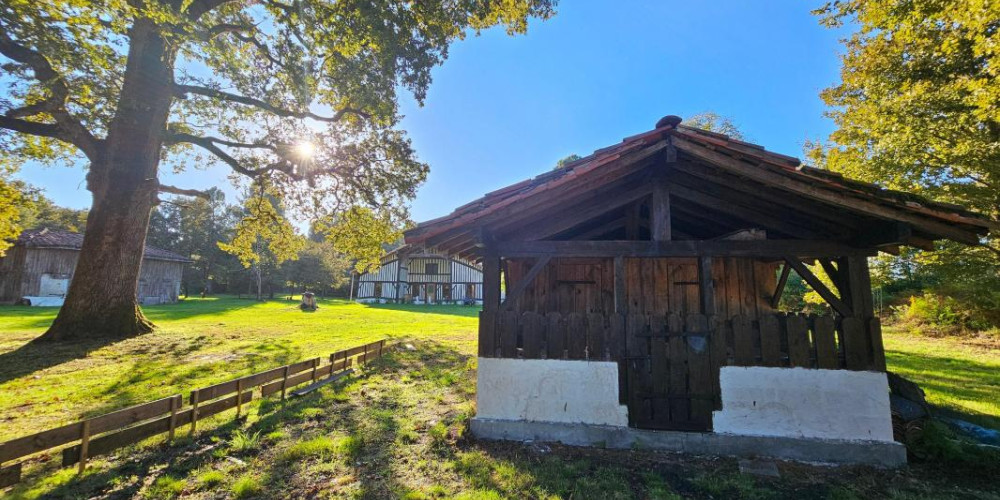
[(165, 188), (67, 128), (29, 127), (181, 91)]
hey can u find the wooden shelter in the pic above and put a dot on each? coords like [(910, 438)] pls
[(662, 258), (42, 262), (422, 276)]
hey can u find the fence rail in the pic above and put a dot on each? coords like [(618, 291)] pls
[(103, 434)]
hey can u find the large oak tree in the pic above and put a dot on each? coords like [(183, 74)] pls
[(134, 85)]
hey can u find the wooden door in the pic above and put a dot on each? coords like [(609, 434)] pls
[(669, 372)]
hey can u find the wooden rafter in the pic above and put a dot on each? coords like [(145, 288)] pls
[(821, 288)]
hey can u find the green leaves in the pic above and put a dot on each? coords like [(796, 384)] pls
[(249, 79), (918, 107), (263, 228)]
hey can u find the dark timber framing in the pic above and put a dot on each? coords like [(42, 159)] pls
[(662, 254)]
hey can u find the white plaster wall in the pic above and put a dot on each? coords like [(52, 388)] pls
[(799, 402), (548, 390)]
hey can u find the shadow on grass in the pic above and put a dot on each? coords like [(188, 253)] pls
[(956, 379), (450, 310), (36, 356)]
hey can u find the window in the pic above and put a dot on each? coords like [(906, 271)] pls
[(446, 291), (431, 268), (378, 290)]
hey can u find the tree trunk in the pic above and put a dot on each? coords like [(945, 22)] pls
[(101, 301)]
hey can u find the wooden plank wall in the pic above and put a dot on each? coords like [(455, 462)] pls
[(780, 340), (652, 286)]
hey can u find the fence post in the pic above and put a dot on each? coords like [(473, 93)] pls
[(381, 345), (284, 383), (239, 397), (173, 418), (315, 364), (194, 411), (84, 444)]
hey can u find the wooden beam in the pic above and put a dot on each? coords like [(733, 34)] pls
[(803, 271), (768, 175), (659, 212), (893, 233), (780, 289), (521, 286), (680, 248), (602, 229), (541, 194), (491, 305), (783, 200), (748, 215), (567, 217), (835, 276)]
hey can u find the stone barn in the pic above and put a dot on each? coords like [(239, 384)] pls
[(40, 265), (642, 285), (422, 276)]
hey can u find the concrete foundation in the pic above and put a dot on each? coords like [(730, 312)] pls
[(550, 390), (804, 403), (877, 453)]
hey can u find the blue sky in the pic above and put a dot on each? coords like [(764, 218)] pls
[(502, 109)]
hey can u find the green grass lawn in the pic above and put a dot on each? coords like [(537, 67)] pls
[(960, 375), (397, 430), (199, 342)]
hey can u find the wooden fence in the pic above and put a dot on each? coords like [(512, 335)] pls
[(105, 433), (789, 340)]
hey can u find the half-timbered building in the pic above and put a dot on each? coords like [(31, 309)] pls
[(422, 276), (642, 285)]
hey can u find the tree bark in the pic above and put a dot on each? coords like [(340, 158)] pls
[(101, 301)]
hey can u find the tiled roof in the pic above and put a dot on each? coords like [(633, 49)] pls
[(753, 155), (54, 238)]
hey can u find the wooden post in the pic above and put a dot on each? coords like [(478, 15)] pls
[(284, 382), (194, 412), (780, 288), (659, 212), (239, 397), (315, 364), (491, 305), (706, 286), (173, 419), (84, 444), (350, 292)]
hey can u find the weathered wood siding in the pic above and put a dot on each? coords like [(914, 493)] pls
[(23, 270), (159, 281), (652, 286)]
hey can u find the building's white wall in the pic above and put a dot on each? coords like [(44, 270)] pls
[(547, 390), (799, 402)]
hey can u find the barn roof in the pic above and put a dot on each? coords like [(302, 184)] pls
[(68, 240), (760, 189)]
